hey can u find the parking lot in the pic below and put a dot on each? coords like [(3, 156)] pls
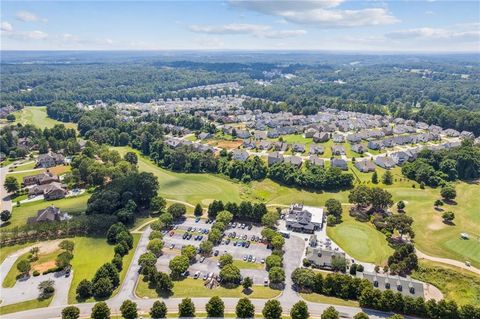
[(242, 242)]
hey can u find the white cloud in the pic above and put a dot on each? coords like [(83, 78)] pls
[(319, 13), (210, 42), (27, 16), (6, 26), (26, 35), (435, 33), (257, 30)]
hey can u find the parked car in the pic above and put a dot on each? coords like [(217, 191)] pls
[(247, 244), (216, 253), (250, 227), (172, 246), (245, 258), (185, 273), (202, 259), (254, 259), (205, 276), (197, 274), (197, 219)]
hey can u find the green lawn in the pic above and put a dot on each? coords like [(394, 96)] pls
[(20, 176), (248, 265), (8, 250), (313, 297), (11, 277), (23, 167), (190, 287), (37, 116), (84, 264), (26, 305), (360, 240), (70, 205), (456, 284), (192, 188)]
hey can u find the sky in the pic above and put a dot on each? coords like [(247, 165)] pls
[(321, 25)]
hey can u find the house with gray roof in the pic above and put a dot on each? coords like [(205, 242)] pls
[(274, 157), (264, 145), (303, 219), (204, 136), (294, 160), (298, 147), (49, 214), (280, 146), (321, 137), (49, 160), (322, 257), (316, 149), (273, 134), (375, 145), (365, 165), (339, 163), (354, 138), (243, 134), (359, 148), (404, 285), (239, 155), (401, 157), (338, 150), (385, 162), (338, 138), (317, 161), (260, 135)]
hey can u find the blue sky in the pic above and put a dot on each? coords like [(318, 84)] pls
[(435, 26)]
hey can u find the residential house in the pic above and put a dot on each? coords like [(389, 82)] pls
[(339, 163), (321, 137), (40, 179), (338, 150), (273, 134), (204, 136), (316, 149), (298, 147), (310, 132), (280, 146), (375, 145), (385, 162), (248, 144), (49, 214), (264, 145), (315, 160), (365, 165), (239, 155), (49, 160), (354, 138), (294, 160), (243, 134), (260, 135), (359, 148), (338, 138), (274, 157), (401, 157)]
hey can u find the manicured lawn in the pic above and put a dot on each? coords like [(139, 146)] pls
[(435, 238), (38, 116), (71, 205), (91, 253), (190, 287), (8, 250), (20, 176), (192, 188), (26, 305), (11, 277), (360, 240), (456, 284), (248, 265), (313, 297), (24, 167)]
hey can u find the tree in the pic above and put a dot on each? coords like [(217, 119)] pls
[(245, 308), (10, 117), (247, 283), (270, 219), (190, 252), (131, 157), (361, 315), (155, 246), (215, 307), (273, 261), (11, 184), (448, 217), (438, 203), (448, 192), (166, 219), (102, 288), (272, 309), (147, 259), (67, 245), (24, 267), (186, 308), (375, 177), (334, 207), (387, 178), (215, 235), (177, 210), (178, 265), (100, 311), (401, 205), (277, 241), (198, 211), (158, 310), (206, 247), (63, 259), (396, 316), (129, 309), (230, 274), (225, 259), (299, 311), (84, 289), (108, 270), (158, 204), (224, 217), (46, 288), (330, 313), (303, 279), (276, 275), (70, 312), (5, 215)]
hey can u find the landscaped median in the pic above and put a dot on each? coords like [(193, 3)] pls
[(192, 288), (25, 305)]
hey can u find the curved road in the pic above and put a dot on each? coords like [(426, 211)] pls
[(127, 291), (447, 261)]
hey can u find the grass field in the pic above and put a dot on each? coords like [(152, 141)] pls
[(456, 284), (37, 116), (192, 188), (85, 267), (190, 287), (21, 175), (26, 305), (8, 250), (70, 205), (248, 265), (313, 297), (23, 167), (360, 240)]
